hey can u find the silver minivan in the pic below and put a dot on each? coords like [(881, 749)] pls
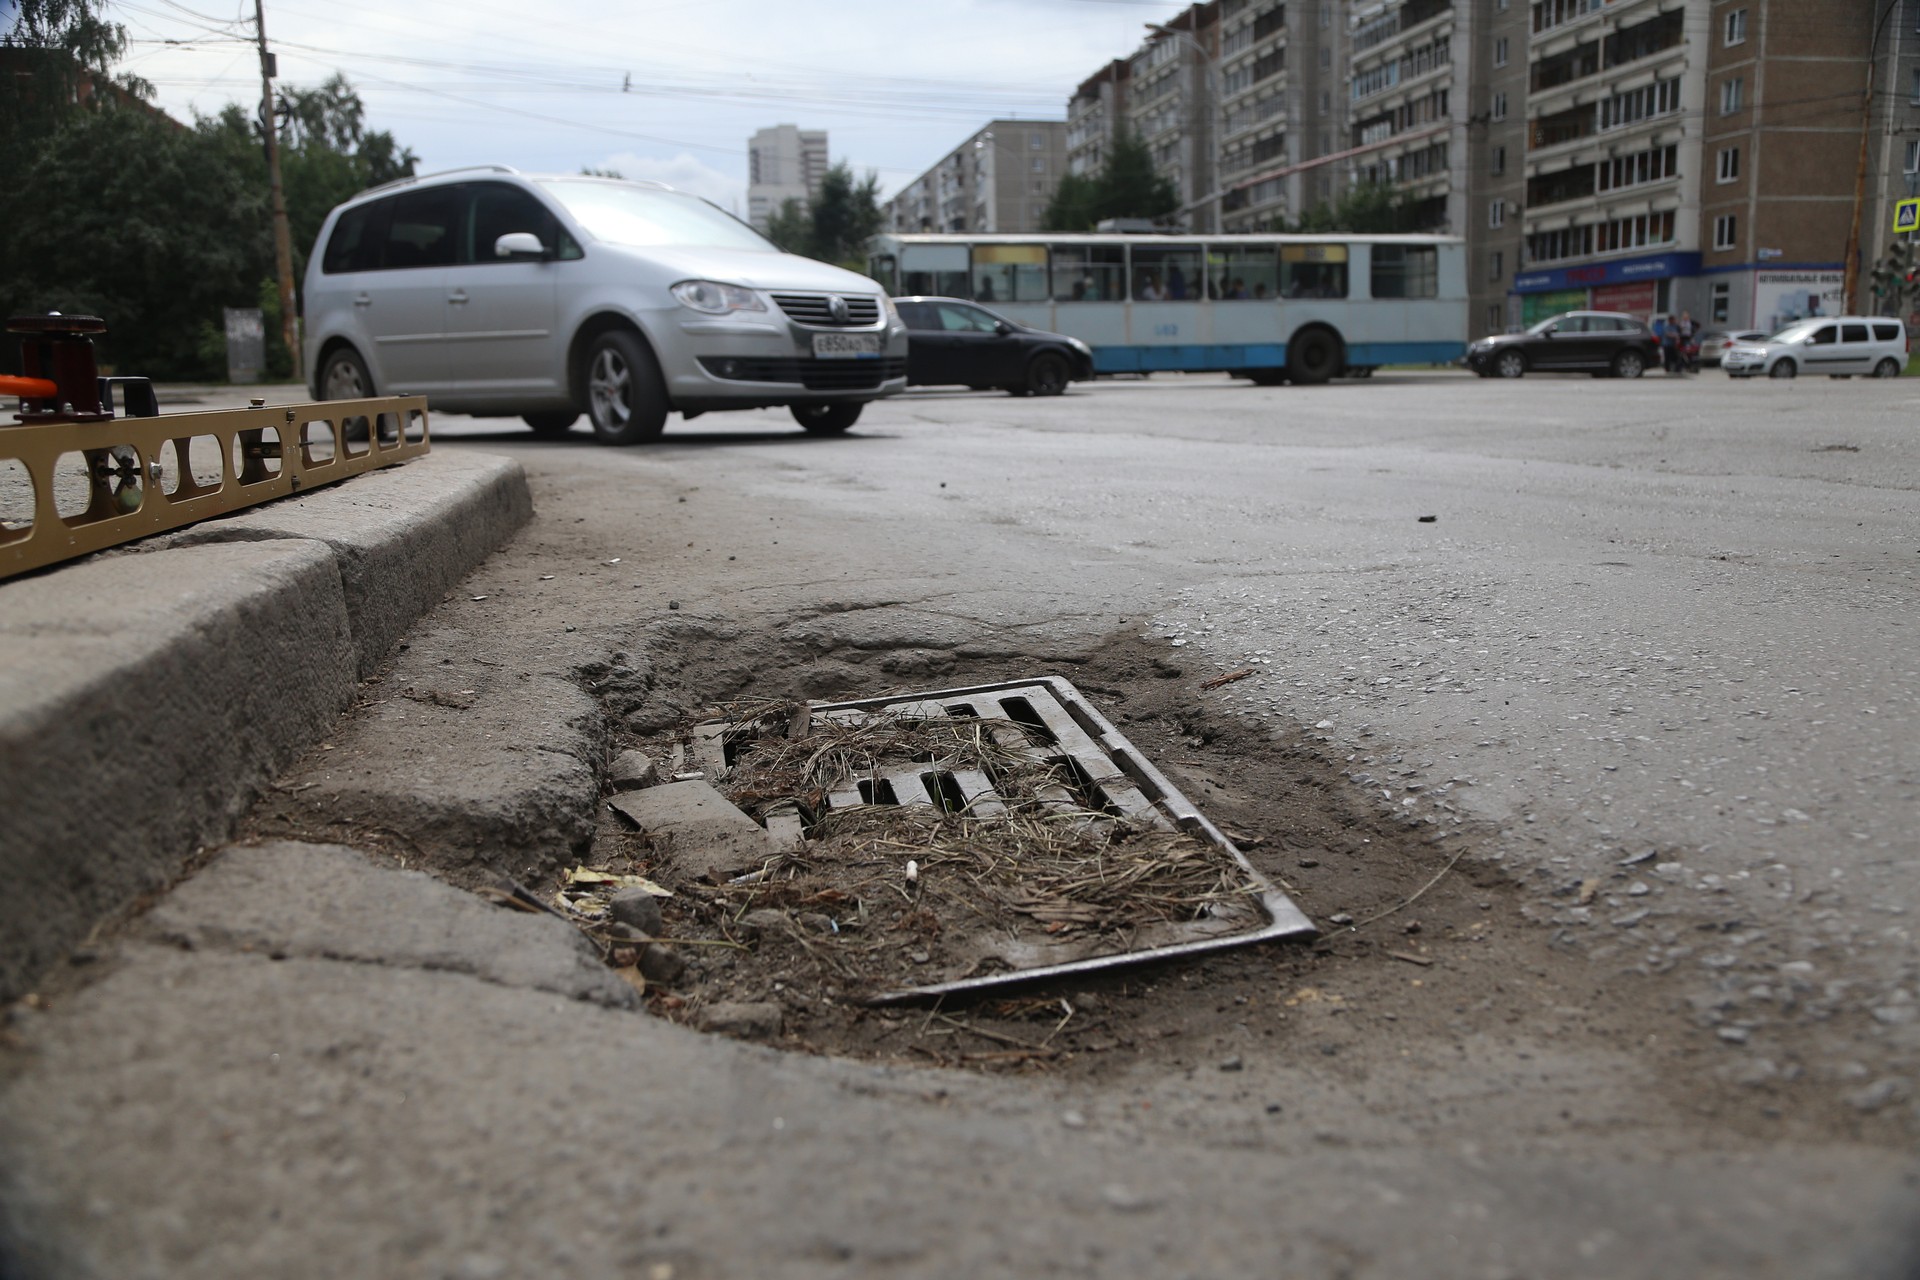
[(1840, 346), (497, 293)]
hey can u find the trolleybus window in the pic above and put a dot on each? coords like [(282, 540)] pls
[(935, 269), (1089, 273), (1167, 275), (1010, 272), (1406, 271), (1313, 271), (1242, 273)]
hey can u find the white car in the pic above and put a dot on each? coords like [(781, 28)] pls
[(1839, 346), (1713, 345), (493, 292)]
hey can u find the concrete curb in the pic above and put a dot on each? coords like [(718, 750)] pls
[(146, 698), (403, 536)]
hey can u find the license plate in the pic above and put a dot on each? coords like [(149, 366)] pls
[(846, 346)]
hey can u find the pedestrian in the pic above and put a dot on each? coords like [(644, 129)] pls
[(1670, 345), (1689, 342)]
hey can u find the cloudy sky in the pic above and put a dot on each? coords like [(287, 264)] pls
[(664, 89)]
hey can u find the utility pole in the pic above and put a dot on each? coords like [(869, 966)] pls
[(1851, 279), (282, 240)]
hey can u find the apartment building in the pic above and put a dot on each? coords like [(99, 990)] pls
[(1784, 133), (784, 162), (999, 180), (1094, 113), (1172, 105), (1894, 128), (1491, 164)]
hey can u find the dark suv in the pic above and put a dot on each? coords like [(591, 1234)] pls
[(1577, 342)]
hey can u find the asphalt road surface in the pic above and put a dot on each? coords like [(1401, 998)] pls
[(1578, 714)]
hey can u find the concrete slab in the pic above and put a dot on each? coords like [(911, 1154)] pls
[(403, 535), (471, 770), (696, 828), (143, 701), (228, 1116), (291, 900)]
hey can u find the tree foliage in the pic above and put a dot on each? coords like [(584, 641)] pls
[(112, 209), (1369, 209), (835, 225), (1126, 186)]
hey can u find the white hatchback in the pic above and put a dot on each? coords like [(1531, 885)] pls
[(491, 292), (1839, 346)]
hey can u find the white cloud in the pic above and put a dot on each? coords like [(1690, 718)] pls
[(684, 173)]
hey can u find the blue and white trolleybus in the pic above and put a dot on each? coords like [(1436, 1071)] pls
[(1299, 308)]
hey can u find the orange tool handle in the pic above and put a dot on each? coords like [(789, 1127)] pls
[(28, 388)]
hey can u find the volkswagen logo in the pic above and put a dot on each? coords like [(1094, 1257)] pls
[(842, 313)]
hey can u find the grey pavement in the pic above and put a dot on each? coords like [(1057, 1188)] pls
[(313, 1061)]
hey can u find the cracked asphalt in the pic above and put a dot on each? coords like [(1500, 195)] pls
[(1644, 650)]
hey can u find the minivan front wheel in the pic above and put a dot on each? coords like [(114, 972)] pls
[(344, 376), (626, 397), (826, 417), (1783, 369)]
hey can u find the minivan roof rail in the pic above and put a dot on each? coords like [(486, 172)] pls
[(422, 177)]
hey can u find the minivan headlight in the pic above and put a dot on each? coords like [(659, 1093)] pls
[(716, 299)]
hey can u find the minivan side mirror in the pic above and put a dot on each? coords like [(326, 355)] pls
[(519, 244)]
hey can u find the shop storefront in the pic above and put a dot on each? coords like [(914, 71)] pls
[(1637, 286)]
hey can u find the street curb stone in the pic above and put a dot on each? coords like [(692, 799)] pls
[(143, 700), (403, 535), (147, 696)]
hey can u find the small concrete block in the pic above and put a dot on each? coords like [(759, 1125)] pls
[(742, 1019), (710, 749), (784, 827), (632, 770), (697, 829), (637, 909)]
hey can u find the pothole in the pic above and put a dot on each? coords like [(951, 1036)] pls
[(754, 958)]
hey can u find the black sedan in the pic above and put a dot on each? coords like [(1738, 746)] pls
[(950, 341), (1594, 342)]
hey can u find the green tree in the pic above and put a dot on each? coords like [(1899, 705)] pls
[(1073, 204), (791, 227), (1375, 208), (1126, 186), (846, 214), (1130, 187)]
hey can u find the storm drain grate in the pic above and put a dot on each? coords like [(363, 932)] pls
[(1094, 774)]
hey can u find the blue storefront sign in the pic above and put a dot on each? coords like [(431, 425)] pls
[(1592, 275)]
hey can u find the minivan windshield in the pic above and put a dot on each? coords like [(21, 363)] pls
[(1797, 330), (646, 217)]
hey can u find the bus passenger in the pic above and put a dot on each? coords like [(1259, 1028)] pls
[(1149, 288)]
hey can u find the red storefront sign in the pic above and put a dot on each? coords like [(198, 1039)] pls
[(1635, 299)]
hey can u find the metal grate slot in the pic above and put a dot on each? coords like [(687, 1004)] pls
[(1090, 794)]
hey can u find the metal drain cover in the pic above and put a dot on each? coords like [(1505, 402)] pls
[(1102, 772)]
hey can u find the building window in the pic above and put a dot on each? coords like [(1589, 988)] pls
[(1722, 302), (1499, 106), (1497, 164), (1497, 214), (1039, 164), (1913, 156), (1496, 266), (1037, 141), (1729, 164), (1730, 94), (1737, 27), (1725, 231), (1326, 100), (1326, 57), (1500, 52), (1913, 87)]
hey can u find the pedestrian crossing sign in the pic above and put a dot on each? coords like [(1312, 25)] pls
[(1906, 215)]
